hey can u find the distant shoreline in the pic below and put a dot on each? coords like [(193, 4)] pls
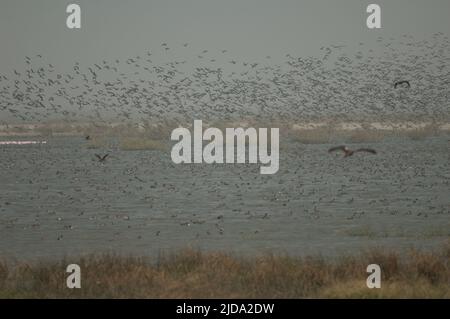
[(79, 129)]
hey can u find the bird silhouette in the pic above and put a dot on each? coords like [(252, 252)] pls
[(396, 84), (348, 152), (101, 158)]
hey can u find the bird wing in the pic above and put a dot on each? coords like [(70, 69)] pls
[(369, 150), (98, 156), (103, 158), (337, 148), (402, 82)]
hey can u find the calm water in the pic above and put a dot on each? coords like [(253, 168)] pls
[(56, 199)]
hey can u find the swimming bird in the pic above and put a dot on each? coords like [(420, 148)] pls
[(101, 158), (396, 84), (349, 152)]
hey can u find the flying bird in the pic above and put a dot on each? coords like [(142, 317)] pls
[(349, 152), (396, 84), (101, 158)]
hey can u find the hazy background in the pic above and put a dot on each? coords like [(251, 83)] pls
[(231, 36), (247, 28)]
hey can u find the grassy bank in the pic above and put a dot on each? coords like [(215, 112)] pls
[(361, 134), (133, 143), (321, 131), (193, 274)]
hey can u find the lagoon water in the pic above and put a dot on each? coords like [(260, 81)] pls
[(57, 199)]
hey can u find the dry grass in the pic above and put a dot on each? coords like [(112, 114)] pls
[(367, 231), (319, 132), (98, 142), (329, 135), (128, 143), (312, 136), (368, 136), (422, 133), (141, 143), (324, 135), (193, 274)]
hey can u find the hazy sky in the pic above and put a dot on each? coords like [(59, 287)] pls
[(247, 28)]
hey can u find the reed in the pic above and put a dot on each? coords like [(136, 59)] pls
[(195, 274)]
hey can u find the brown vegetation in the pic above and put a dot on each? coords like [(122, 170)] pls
[(194, 274), (326, 131), (327, 134)]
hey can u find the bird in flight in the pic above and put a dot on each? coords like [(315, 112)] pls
[(396, 84), (349, 152), (101, 158)]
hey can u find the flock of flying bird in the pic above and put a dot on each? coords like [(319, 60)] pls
[(408, 77), (394, 78)]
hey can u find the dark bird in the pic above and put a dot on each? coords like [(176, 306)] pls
[(396, 84), (349, 152), (101, 158), (87, 137)]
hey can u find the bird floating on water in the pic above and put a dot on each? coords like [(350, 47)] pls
[(396, 84), (349, 152)]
